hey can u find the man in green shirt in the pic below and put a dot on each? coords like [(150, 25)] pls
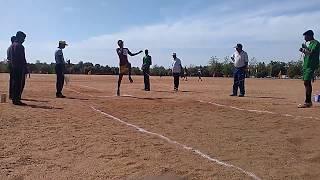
[(310, 64), (147, 62)]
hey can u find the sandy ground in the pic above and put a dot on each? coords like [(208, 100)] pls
[(263, 134)]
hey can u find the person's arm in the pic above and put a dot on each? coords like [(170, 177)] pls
[(246, 59), (134, 54), (232, 57), (21, 55), (308, 50), (150, 61)]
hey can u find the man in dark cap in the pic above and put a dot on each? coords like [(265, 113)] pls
[(240, 59), (19, 63), (147, 62), (60, 68), (311, 51), (13, 39)]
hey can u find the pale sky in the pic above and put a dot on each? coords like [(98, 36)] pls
[(194, 29)]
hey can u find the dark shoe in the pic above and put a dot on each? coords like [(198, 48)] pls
[(60, 96), (305, 105), (241, 95), (147, 89), (233, 95), (131, 80), (19, 103)]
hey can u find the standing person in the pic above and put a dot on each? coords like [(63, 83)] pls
[(240, 59), (199, 74), (60, 68), (176, 71), (186, 73), (18, 62), (13, 39), (310, 64), (147, 62), (125, 66)]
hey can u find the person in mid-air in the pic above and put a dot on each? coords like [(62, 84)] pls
[(125, 66), (240, 59), (310, 64), (176, 71)]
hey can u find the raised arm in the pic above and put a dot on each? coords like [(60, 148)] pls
[(134, 54)]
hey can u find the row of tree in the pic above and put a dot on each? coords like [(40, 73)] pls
[(216, 67)]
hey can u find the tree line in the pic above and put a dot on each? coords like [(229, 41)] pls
[(217, 67)]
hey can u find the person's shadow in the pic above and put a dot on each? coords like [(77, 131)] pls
[(34, 100), (42, 107)]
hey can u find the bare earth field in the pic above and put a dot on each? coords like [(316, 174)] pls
[(197, 133)]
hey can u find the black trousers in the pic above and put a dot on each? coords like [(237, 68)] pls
[(146, 75), (10, 82), (17, 83), (176, 80), (60, 78)]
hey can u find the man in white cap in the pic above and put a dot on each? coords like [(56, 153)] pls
[(240, 59), (60, 68), (176, 71)]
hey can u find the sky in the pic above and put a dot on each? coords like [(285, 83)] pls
[(195, 29)]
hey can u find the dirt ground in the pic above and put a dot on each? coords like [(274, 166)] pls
[(80, 137)]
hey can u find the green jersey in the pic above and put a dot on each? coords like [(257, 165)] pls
[(147, 62), (311, 60)]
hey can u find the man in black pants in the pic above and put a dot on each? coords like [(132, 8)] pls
[(147, 62), (60, 68), (176, 71), (19, 63), (13, 39)]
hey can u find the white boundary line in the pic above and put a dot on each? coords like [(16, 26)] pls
[(195, 151), (257, 111)]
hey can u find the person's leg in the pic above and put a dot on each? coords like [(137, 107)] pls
[(17, 82), (308, 89), (119, 83), (23, 83), (148, 80), (129, 73), (11, 84), (175, 81), (145, 79), (235, 82), (242, 77), (59, 80)]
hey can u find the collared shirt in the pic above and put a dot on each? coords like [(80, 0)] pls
[(58, 55), (16, 54), (176, 66), (240, 59), (147, 62)]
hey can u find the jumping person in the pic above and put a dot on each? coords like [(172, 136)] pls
[(13, 39), (147, 62), (18, 66), (310, 64), (125, 66), (176, 71), (60, 68), (240, 59)]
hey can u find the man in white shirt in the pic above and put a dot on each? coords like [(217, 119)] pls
[(240, 59), (176, 71)]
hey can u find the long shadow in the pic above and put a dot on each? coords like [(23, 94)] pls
[(147, 98), (82, 99), (42, 107), (265, 97), (34, 100), (178, 91)]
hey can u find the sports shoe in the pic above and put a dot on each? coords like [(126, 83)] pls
[(19, 103), (233, 95), (305, 105), (241, 95), (60, 96)]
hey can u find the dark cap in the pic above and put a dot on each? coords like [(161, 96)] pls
[(13, 39), (238, 46), (20, 34), (308, 33)]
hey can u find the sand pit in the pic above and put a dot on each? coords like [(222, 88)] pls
[(197, 133)]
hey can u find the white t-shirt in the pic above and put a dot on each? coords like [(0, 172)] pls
[(176, 66), (240, 59)]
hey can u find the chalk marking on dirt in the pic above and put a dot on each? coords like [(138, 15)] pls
[(79, 92), (257, 111), (89, 87), (198, 152)]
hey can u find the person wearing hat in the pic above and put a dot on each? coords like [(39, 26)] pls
[(60, 68), (176, 71), (125, 66), (240, 59), (147, 62), (13, 39), (311, 51), (16, 55)]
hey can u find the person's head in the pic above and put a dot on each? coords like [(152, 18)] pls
[(62, 44), (20, 37), (239, 47), (13, 39), (174, 55), (308, 35), (146, 52), (120, 43)]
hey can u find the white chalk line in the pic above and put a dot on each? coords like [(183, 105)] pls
[(198, 152), (257, 111)]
